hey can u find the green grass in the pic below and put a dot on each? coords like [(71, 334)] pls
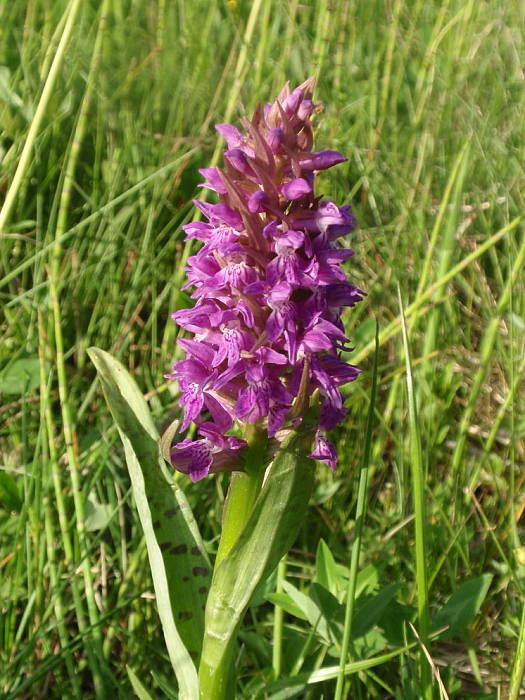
[(427, 100)]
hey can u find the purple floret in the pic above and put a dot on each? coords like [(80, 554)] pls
[(265, 331), (213, 453)]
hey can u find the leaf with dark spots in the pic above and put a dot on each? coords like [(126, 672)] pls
[(166, 519), (200, 571), (179, 549), (185, 615)]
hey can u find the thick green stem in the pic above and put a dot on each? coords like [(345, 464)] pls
[(244, 487), (239, 502), (216, 682)]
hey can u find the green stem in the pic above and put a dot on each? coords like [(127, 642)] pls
[(244, 488), (518, 669), (418, 491), (360, 518), (216, 682), (278, 618)]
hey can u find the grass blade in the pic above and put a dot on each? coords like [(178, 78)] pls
[(359, 522), (418, 488), (139, 689), (24, 162)]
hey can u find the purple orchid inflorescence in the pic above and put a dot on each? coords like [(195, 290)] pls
[(269, 290)]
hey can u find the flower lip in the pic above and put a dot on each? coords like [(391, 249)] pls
[(322, 160), (297, 189), (212, 453), (324, 451)]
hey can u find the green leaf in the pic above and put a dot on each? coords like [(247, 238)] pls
[(9, 496), (270, 531), (178, 561), (258, 646), (284, 601), (463, 606), (326, 572), (20, 376), (310, 609), (367, 580), (370, 612), (332, 612), (98, 515), (139, 689)]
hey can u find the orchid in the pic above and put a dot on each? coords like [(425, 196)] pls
[(269, 288), (259, 385)]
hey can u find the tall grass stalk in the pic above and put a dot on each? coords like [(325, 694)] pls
[(70, 437), (487, 344), (417, 308), (239, 72), (418, 494), (278, 620), (24, 162), (59, 506), (518, 666), (360, 515)]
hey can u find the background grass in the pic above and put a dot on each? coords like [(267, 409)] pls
[(427, 100)]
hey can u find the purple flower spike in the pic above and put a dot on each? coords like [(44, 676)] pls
[(266, 333)]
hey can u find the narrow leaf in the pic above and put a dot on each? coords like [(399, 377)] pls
[(326, 572), (309, 609), (321, 675), (284, 601), (139, 689)]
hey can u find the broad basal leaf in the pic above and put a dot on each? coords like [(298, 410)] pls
[(179, 564)]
